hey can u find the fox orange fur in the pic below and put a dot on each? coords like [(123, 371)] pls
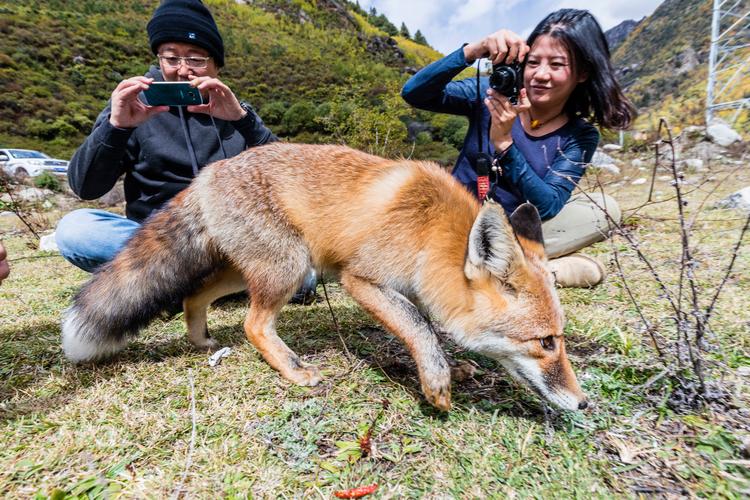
[(404, 237)]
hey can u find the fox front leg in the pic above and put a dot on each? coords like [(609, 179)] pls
[(261, 332), (402, 318)]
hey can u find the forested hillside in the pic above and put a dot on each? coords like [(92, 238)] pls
[(317, 71), (663, 63)]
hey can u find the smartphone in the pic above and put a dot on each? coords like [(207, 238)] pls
[(172, 94)]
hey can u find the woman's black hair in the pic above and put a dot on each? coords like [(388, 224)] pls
[(599, 98)]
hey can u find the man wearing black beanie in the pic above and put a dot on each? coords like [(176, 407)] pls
[(159, 149)]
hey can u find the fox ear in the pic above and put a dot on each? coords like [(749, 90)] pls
[(527, 225), (491, 243)]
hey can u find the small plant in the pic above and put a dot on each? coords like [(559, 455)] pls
[(30, 219), (681, 336), (48, 180)]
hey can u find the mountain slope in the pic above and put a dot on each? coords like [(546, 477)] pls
[(615, 36), (663, 64), (315, 71)]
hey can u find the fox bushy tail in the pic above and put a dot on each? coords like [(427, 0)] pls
[(166, 260)]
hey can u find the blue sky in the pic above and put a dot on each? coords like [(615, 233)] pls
[(448, 23)]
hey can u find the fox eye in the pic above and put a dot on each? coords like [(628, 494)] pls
[(548, 343)]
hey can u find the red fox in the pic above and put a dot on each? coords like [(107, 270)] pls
[(404, 237)]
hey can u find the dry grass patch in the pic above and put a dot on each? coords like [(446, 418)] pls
[(125, 427)]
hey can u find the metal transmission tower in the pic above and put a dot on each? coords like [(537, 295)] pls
[(729, 59)]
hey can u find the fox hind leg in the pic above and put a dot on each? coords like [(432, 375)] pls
[(225, 282), (402, 318)]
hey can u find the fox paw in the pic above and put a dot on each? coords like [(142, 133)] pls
[(438, 395), (303, 374), (205, 343)]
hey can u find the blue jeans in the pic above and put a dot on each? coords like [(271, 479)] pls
[(88, 238)]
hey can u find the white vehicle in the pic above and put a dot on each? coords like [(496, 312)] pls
[(28, 163)]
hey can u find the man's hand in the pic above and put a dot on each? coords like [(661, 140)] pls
[(222, 102), (503, 115), (4, 267), (501, 47), (127, 110)]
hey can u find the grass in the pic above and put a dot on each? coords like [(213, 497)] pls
[(125, 427)]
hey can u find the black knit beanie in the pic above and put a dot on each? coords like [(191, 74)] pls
[(187, 21)]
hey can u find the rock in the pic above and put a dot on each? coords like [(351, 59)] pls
[(665, 178), (47, 243), (693, 164), (638, 163), (33, 194), (600, 158), (7, 214), (639, 181), (722, 134), (609, 167), (745, 448), (114, 197), (740, 199), (706, 151), (694, 132), (611, 147), (605, 162), (413, 129), (687, 61)]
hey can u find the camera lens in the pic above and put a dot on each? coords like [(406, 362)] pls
[(503, 80)]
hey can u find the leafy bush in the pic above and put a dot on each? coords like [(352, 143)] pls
[(272, 113), (48, 180), (423, 137), (454, 131), (300, 116)]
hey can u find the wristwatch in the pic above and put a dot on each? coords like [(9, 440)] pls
[(250, 116)]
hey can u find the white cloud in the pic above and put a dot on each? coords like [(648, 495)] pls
[(448, 23), (610, 13), (473, 10)]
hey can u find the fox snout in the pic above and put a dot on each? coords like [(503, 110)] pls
[(547, 371)]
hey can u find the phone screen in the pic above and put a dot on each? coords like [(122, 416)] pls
[(172, 94)]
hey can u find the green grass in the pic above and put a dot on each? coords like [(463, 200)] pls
[(124, 427)]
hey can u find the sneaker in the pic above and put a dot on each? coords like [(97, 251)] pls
[(577, 271), (306, 293)]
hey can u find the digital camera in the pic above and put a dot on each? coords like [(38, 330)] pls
[(507, 80)]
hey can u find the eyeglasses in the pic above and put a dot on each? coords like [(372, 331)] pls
[(191, 62)]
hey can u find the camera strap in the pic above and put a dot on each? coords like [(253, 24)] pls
[(483, 160)]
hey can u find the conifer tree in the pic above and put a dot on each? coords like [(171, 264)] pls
[(420, 39), (404, 31)]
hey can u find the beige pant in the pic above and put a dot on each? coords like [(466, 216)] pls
[(579, 224)]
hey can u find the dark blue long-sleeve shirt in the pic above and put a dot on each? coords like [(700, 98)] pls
[(542, 170)]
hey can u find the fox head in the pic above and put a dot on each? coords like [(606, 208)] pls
[(515, 315)]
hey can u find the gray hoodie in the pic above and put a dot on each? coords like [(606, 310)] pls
[(159, 157)]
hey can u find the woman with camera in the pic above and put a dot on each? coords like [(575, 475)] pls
[(540, 140)]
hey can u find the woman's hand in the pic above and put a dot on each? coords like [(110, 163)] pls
[(503, 115), (501, 47), (127, 111), (222, 102)]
